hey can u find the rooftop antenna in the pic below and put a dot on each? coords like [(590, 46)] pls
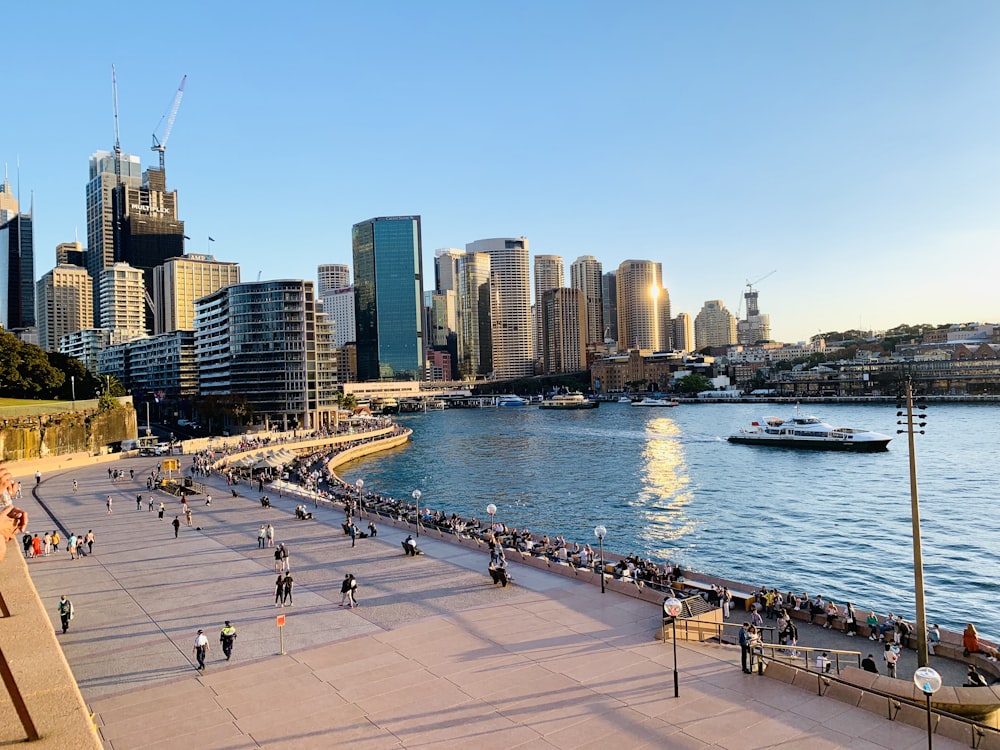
[(161, 146), (118, 144)]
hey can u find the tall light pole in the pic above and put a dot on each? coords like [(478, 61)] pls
[(600, 532), (929, 681), (72, 385), (360, 484), (492, 510), (918, 564), (672, 610), (416, 500)]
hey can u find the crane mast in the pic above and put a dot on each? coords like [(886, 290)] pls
[(160, 146)]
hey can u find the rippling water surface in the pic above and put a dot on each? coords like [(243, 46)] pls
[(666, 484)]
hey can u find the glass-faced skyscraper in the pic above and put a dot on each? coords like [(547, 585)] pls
[(388, 301)]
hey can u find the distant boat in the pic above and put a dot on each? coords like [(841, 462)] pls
[(624, 400), (511, 400), (655, 402), (568, 400), (808, 432)]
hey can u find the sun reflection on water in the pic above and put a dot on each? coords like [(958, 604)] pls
[(666, 488)]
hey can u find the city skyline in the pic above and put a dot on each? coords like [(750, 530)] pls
[(848, 148)]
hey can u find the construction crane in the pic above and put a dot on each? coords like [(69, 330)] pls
[(750, 291), (161, 146)]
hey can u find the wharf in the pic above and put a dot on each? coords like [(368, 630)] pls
[(435, 656)]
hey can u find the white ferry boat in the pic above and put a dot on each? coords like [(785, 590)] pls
[(808, 432), (655, 402), (511, 400), (568, 400)]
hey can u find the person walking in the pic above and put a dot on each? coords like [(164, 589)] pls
[(353, 591), (279, 590), (261, 536), (283, 552), (353, 531), (277, 559), (270, 535), (744, 639), (201, 650), (177, 526), (89, 539), (891, 656), (286, 590), (138, 501), (150, 504), (75, 486), (38, 478), (65, 608), (73, 545), (187, 516), (162, 507), (345, 590), (55, 541), (227, 636), (208, 499), (109, 503)]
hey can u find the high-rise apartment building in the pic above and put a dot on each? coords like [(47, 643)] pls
[(17, 272), (178, 282), (683, 333), (332, 276), (510, 312), (564, 320), (388, 298), (473, 321), (643, 307), (264, 341), (85, 345), (338, 306), (123, 302), (72, 254), (63, 304), (548, 275), (714, 325), (585, 275), (104, 177), (609, 303)]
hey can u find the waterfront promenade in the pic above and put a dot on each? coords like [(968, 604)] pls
[(434, 656)]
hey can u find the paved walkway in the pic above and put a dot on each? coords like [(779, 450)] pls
[(435, 656)]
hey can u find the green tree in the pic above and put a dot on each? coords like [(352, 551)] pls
[(694, 383)]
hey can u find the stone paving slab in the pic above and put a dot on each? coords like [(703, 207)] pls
[(434, 657)]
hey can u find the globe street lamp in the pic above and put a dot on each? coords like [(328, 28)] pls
[(600, 533), (416, 500), (929, 681), (360, 484), (671, 610), (492, 510)]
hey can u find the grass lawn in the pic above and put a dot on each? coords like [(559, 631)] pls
[(27, 402)]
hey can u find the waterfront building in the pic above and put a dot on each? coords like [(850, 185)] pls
[(683, 333), (548, 275), (163, 363), (438, 366), (564, 320), (609, 306), (388, 298), (644, 320), (338, 306), (178, 282), (17, 269), (510, 310), (72, 254), (585, 275), (106, 172), (714, 325), (123, 302), (85, 345), (473, 322), (756, 327), (645, 370), (64, 303), (262, 341), (332, 276)]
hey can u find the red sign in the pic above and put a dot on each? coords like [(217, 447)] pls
[(281, 621)]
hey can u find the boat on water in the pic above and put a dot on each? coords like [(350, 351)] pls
[(624, 400), (568, 400), (809, 432), (511, 400), (655, 402)]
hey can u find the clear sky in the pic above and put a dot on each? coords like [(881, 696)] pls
[(851, 147)]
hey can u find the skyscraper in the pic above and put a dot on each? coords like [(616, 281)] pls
[(178, 282), (389, 311), (473, 322), (683, 333), (548, 275), (8, 202), (72, 254), (564, 320), (510, 311), (332, 276), (17, 272), (609, 303), (643, 307), (714, 325), (338, 306), (123, 302), (585, 275), (756, 327), (445, 261), (64, 304)]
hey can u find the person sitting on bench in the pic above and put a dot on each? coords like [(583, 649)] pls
[(302, 514), (265, 501), (410, 546)]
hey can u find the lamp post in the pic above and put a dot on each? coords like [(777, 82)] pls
[(918, 564), (929, 681), (600, 532), (492, 510), (416, 521), (72, 385), (360, 484), (672, 609)]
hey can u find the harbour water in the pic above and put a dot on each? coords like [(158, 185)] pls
[(667, 485)]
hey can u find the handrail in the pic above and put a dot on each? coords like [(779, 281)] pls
[(806, 651), (721, 625)]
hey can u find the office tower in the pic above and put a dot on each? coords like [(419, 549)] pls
[(178, 282), (123, 302), (8, 202), (564, 320), (714, 325), (265, 342), (101, 219), (71, 254), (609, 303), (683, 333), (473, 322), (643, 307), (388, 299), (445, 261), (338, 306), (756, 327), (332, 276), (510, 310), (64, 303), (17, 272), (548, 275), (585, 275), (442, 330)]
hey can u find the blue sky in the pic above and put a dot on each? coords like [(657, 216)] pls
[(851, 147)]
